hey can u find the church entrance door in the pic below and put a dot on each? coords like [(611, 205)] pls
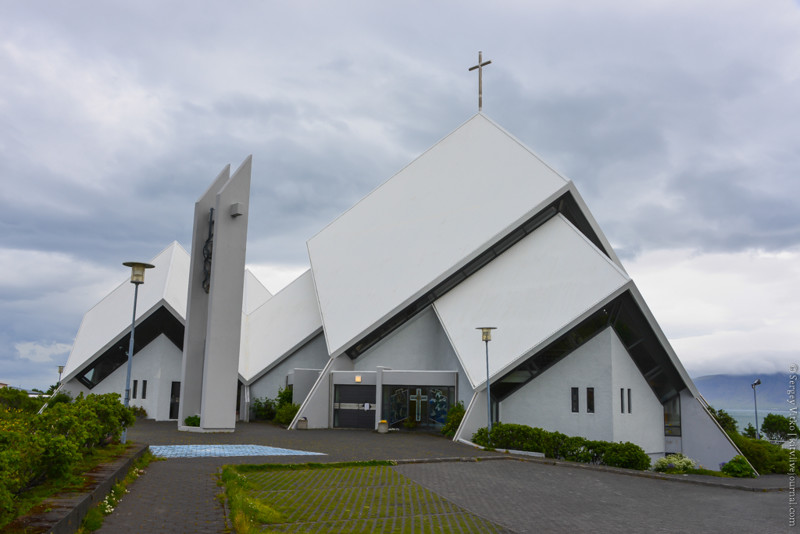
[(354, 406), (174, 400)]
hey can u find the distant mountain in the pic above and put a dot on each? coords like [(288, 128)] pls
[(734, 392)]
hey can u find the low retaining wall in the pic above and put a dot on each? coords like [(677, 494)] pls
[(65, 512)]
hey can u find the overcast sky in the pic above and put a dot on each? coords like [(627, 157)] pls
[(679, 122)]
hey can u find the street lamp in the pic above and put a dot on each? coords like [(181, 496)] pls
[(137, 277), (486, 337), (755, 403), (60, 370)]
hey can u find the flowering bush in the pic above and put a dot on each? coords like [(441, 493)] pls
[(674, 463), (35, 446), (738, 467)]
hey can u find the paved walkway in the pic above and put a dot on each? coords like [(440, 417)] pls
[(179, 494)]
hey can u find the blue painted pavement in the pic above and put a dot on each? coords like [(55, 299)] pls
[(208, 451)]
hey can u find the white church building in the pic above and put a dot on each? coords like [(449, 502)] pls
[(477, 231)]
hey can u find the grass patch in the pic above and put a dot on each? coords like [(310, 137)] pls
[(95, 516), (693, 471), (247, 468), (344, 497)]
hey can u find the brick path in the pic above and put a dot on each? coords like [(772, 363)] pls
[(534, 497), (179, 495)]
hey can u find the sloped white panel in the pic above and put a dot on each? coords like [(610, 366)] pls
[(255, 294), (280, 325), (423, 224), (111, 317), (531, 291)]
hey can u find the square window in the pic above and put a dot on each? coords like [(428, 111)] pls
[(575, 400), (589, 400)]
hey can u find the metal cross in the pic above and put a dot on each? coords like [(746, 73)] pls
[(480, 66), (419, 398)]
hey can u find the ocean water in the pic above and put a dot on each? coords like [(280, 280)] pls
[(745, 417)]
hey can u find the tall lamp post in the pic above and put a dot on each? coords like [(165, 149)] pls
[(755, 404), (137, 277), (486, 337)]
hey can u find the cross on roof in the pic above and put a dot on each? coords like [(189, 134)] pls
[(480, 66)]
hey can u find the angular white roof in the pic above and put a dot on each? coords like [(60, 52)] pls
[(166, 284), (255, 294), (279, 326), (531, 291), (110, 319), (425, 223)]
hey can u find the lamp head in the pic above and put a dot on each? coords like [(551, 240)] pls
[(137, 270), (756, 383), (486, 332)]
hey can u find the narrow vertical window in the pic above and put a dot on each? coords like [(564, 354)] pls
[(589, 400), (135, 383), (144, 389), (621, 400), (629, 400), (575, 400)]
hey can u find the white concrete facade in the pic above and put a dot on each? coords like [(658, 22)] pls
[(397, 287), (603, 365)]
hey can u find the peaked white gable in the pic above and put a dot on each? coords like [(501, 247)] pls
[(538, 286), (279, 326), (110, 319), (425, 223)]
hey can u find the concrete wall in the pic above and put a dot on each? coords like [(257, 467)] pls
[(604, 364), (701, 438), (644, 425), (159, 363), (419, 345), (312, 355), (318, 407), (545, 402)]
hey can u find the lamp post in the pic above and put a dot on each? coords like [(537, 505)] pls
[(486, 337), (755, 403), (137, 277)]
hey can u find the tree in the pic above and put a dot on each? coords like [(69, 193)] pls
[(776, 427), (725, 420), (749, 431)]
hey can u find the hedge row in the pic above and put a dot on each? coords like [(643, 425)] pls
[(34, 447), (560, 446)]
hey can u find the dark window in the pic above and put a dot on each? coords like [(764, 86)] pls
[(575, 400), (144, 389), (135, 383), (621, 400), (629, 400), (589, 400)]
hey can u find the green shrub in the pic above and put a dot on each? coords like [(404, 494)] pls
[(17, 399), (738, 467), (674, 463), (454, 416), (560, 446), (764, 456), (34, 447), (285, 413), (264, 409), (192, 420), (284, 397)]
